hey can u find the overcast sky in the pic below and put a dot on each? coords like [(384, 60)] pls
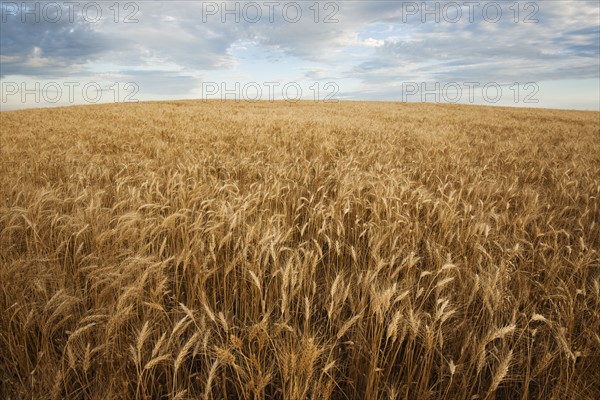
[(527, 54)]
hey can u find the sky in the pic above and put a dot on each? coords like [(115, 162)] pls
[(505, 53)]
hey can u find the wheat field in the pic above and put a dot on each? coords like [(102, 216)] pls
[(355, 250)]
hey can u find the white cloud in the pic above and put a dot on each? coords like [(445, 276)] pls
[(369, 43)]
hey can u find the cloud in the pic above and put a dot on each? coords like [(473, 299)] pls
[(48, 48), (488, 52), (376, 45), (160, 82)]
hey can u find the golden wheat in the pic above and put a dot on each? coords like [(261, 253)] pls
[(355, 250)]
